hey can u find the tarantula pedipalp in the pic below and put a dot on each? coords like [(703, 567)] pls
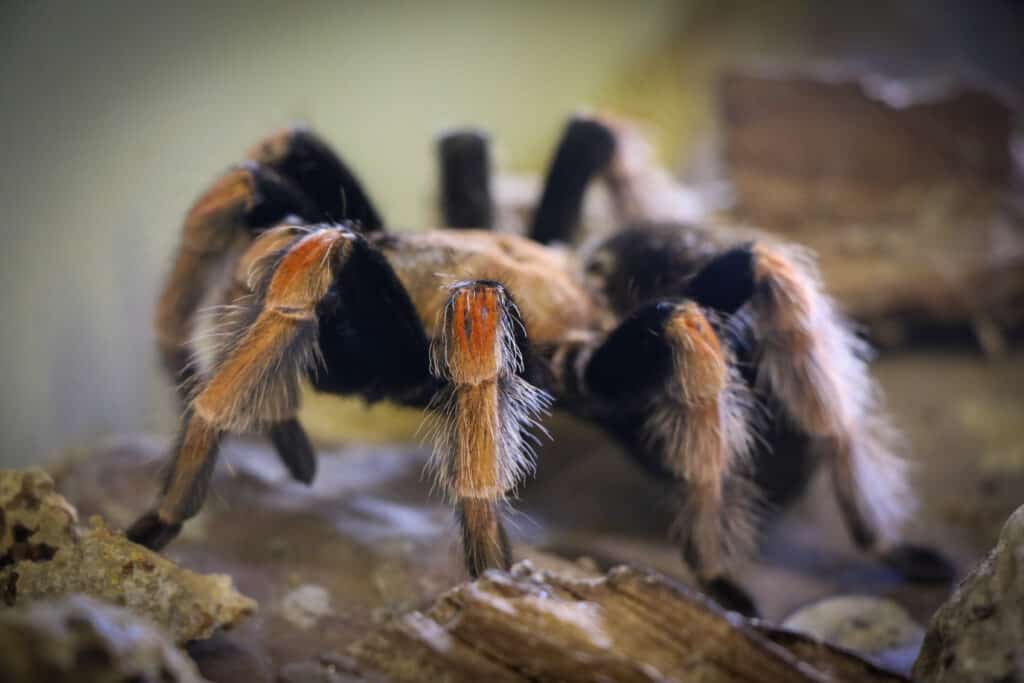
[(679, 344)]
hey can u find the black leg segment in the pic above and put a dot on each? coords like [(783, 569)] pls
[(294, 448), (585, 151), (308, 162), (466, 179)]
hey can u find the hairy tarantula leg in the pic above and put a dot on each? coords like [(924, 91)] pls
[(816, 367), (299, 155), (666, 364), (585, 150), (245, 199), (184, 487), (288, 437), (482, 450), (813, 364), (256, 378), (465, 158), (701, 427)]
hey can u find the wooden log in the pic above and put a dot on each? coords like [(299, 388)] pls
[(629, 626)]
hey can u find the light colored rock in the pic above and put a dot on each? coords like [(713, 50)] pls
[(44, 554), (305, 605), (80, 639), (879, 628), (978, 635)]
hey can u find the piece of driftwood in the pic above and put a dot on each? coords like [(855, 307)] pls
[(44, 554), (629, 625), (904, 189)]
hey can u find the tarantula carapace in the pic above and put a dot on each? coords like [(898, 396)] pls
[(717, 365)]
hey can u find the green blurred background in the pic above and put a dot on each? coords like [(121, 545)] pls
[(116, 114)]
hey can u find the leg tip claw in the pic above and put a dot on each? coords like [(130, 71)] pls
[(731, 597), (152, 532), (919, 564)]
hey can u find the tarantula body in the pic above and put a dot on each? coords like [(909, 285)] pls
[(716, 365)]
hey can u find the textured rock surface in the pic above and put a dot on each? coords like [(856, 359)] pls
[(43, 554), (978, 636), (81, 639), (627, 626)]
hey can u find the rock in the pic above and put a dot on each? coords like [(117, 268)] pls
[(77, 638), (629, 625), (878, 628), (978, 635), (44, 554)]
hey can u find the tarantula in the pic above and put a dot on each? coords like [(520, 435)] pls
[(722, 366)]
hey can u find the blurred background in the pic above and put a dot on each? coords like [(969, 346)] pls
[(116, 115)]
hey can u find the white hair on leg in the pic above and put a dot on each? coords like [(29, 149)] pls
[(811, 360)]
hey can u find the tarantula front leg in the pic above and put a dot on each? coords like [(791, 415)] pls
[(670, 392), (480, 419), (272, 343), (246, 199), (290, 173)]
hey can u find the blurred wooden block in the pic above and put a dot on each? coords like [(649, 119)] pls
[(836, 148), (904, 190)]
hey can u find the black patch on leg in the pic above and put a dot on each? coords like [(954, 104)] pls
[(371, 338), (919, 564), (730, 596), (466, 179), (648, 262), (152, 532), (635, 358), (726, 282), (585, 150), (325, 178), (276, 199), (294, 448), (783, 458)]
